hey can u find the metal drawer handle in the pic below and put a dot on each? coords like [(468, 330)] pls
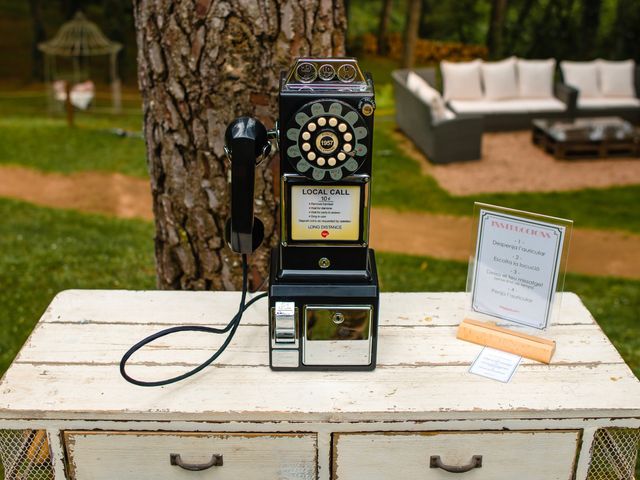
[(436, 462), (216, 461)]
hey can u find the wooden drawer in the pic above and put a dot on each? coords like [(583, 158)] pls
[(146, 455), (539, 455)]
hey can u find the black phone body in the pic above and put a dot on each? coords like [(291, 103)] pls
[(323, 289)]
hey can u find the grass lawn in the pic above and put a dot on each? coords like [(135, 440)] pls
[(46, 251), (30, 137), (399, 183)]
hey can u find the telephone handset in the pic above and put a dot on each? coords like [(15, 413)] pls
[(246, 142), (323, 283)]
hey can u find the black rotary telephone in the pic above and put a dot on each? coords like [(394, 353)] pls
[(323, 284)]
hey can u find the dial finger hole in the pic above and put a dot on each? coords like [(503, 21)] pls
[(322, 121), (342, 156), (342, 127), (311, 127), (311, 156), (347, 137), (321, 161), (331, 162), (306, 136), (307, 146), (347, 147), (333, 122)]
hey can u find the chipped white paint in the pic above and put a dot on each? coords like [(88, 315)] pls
[(505, 455), (109, 455), (66, 378)]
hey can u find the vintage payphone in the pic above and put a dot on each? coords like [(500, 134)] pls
[(323, 284)]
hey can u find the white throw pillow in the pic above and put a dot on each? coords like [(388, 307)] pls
[(499, 79), (461, 80), (616, 78), (429, 95), (583, 76), (535, 78)]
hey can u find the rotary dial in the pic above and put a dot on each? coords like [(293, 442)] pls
[(328, 138)]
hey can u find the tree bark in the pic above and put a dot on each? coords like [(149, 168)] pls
[(201, 63), (496, 28), (414, 8), (383, 26)]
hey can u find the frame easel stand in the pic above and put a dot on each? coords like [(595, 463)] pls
[(491, 335)]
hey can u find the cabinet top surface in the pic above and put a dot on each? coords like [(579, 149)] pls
[(68, 369)]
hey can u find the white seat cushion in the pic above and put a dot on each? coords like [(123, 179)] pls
[(508, 106), (616, 78), (449, 114), (608, 102), (461, 80), (429, 95), (582, 76), (499, 79), (535, 78)]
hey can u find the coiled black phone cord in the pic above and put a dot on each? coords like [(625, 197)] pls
[(231, 327)]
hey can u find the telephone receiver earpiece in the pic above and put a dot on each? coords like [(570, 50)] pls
[(246, 143)]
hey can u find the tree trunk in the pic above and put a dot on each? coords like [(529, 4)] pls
[(383, 26), (37, 67), (414, 8), (517, 29), (200, 65), (496, 27), (590, 23)]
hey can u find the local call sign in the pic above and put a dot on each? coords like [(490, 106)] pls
[(325, 213)]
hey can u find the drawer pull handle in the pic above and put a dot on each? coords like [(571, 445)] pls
[(436, 462), (175, 459)]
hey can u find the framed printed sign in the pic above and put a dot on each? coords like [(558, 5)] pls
[(518, 266)]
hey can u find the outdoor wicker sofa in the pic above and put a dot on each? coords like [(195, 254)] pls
[(601, 94), (516, 114), (442, 141)]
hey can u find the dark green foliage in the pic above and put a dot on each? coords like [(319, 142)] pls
[(114, 17), (562, 29)]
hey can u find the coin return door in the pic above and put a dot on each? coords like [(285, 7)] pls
[(338, 335)]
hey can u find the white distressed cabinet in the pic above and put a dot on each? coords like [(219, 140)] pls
[(66, 413)]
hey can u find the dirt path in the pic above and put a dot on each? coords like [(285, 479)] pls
[(108, 193), (593, 252), (511, 163)]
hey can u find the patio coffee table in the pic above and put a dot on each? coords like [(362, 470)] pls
[(587, 137)]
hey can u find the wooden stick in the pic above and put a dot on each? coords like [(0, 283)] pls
[(490, 335)]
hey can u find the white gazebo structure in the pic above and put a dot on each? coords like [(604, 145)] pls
[(77, 41)]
